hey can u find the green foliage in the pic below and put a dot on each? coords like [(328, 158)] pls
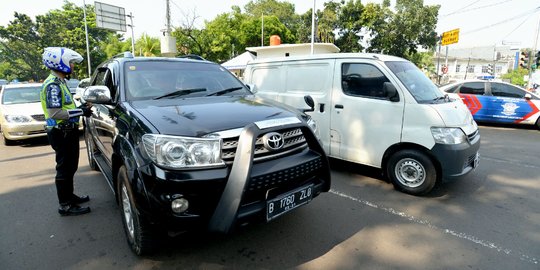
[(410, 27), (516, 76), (23, 40), (351, 25)]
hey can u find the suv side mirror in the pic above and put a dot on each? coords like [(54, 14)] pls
[(391, 91), (98, 94), (309, 101)]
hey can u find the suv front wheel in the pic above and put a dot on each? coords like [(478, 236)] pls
[(141, 236)]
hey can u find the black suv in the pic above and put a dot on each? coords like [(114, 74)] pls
[(184, 144)]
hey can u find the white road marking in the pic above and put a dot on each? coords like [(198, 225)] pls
[(460, 235)]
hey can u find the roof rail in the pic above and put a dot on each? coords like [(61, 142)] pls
[(192, 56), (124, 55)]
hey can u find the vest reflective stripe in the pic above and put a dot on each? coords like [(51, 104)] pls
[(67, 100)]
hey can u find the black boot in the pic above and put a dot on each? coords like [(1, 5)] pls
[(78, 200), (72, 210)]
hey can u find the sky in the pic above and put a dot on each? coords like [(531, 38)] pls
[(480, 22)]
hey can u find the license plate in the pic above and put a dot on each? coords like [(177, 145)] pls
[(288, 201)]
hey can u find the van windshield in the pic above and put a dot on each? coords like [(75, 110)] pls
[(418, 84)]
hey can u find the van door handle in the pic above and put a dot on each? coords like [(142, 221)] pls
[(338, 106)]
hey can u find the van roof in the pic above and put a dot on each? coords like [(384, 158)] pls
[(380, 57)]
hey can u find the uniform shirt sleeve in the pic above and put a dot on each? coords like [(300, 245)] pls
[(54, 104)]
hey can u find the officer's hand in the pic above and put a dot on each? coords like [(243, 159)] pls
[(87, 112)]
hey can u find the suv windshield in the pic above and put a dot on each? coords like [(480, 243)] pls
[(174, 79), (418, 84)]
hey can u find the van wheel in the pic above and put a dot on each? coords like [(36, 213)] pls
[(538, 123), (411, 172), (141, 236), (90, 150)]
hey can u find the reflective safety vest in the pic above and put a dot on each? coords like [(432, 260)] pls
[(67, 102)]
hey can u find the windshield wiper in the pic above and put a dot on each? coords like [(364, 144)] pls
[(225, 91), (445, 97), (181, 92)]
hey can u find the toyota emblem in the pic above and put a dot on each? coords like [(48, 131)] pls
[(273, 141)]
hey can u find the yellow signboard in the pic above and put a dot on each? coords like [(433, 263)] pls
[(450, 37)]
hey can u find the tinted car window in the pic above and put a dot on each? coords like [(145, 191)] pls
[(152, 79), (363, 80), (504, 90), (473, 88)]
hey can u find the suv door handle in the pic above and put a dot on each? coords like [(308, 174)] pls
[(338, 106)]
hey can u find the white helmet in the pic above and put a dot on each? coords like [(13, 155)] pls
[(59, 58)]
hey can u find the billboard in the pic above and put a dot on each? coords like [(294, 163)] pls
[(110, 17)]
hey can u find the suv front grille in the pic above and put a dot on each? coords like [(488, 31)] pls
[(293, 140), (271, 180)]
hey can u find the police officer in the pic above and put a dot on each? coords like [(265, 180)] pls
[(62, 118)]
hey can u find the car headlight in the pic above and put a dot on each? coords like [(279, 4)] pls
[(313, 126), (18, 119), (176, 152), (448, 135)]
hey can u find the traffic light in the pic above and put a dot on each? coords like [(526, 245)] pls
[(524, 60), (536, 63), (490, 69)]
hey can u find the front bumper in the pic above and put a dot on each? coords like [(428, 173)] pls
[(21, 131), (457, 160), (223, 198)]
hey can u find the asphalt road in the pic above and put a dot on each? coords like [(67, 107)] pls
[(490, 219)]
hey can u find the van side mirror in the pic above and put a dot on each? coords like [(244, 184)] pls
[(528, 96), (391, 91), (98, 94), (310, 102)]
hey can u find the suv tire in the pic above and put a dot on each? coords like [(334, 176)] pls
[(141, 236)]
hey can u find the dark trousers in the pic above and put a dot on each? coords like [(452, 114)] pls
[(66, 145)]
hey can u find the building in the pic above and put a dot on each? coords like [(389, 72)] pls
[(477, 62)]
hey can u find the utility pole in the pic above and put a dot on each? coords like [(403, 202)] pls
[(87, 43), (313, 28), (439, 62), (130, 16)]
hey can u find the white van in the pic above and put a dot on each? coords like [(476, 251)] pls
[(376, 110)]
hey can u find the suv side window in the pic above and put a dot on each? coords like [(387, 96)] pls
[(104, 77), (503, 90), (363, 80), (473, 88)]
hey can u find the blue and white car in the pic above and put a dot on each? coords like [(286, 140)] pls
[(497, 102)]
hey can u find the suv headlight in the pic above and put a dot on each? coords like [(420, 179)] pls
[(313, 125), (18, 119), (176, 152), (448, 135)]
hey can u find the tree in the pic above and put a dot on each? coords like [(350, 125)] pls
[(147, 46), (412, 26), (284, 11), (516, 76), (22, 41), (21, 49)]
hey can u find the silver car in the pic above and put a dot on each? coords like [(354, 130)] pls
[(21, 114)]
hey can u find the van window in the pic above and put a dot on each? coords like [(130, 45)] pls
[(418, 84), (267, 79), (311, 78), (363, 80)]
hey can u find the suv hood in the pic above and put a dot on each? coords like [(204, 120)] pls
[(456, 114), (196, 117)]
